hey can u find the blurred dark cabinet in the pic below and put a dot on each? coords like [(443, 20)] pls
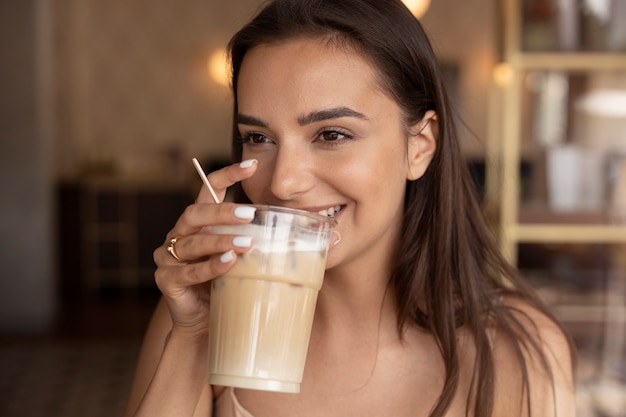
[(108, 230)]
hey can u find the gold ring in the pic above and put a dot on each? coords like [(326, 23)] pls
[(172, 251)]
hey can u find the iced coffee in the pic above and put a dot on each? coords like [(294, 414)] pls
[(262, 309)]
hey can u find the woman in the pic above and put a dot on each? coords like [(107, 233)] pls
[(339, 105)]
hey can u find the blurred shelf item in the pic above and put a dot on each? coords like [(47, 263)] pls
[(571, 26)]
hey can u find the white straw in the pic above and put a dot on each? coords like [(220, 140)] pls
[(205, 180)]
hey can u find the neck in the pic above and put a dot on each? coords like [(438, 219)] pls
[(357, 295), (356, 300)]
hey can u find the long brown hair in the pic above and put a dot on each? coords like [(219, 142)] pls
[(448, 269)]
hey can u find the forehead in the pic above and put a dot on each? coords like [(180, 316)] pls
[(303, 69)]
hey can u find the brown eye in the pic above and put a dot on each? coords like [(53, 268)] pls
[(258, 138), (253, 138), (332, 136)]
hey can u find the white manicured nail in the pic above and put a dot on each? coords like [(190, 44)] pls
[(247, 163), (245, 212), (242, 241), (227, 257)]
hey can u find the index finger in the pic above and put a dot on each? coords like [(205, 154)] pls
[(223, 178)]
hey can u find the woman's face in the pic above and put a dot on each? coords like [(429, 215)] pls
[(327, 139)]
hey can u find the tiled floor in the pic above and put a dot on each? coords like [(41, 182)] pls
[(61, 378), (83, 369)]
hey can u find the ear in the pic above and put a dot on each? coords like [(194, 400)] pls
[(422, 144)]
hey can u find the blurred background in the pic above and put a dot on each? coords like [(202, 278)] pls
[(105, 102)]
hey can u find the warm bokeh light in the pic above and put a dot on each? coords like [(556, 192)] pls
[(502, 74), (417, 7), (217, 66)]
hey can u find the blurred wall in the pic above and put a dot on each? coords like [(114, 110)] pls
[(27, 284), (132, 84), (465, 33)]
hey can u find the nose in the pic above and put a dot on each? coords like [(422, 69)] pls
[(292, 175)]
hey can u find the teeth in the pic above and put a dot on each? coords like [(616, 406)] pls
[(330, 212)]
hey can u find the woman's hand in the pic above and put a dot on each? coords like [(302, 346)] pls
[(202, 256), (170, 378)]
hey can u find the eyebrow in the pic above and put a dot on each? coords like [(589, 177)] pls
[(315, 116), (334, 113), (244, 119)]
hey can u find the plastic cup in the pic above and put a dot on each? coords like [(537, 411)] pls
[(262, 309)]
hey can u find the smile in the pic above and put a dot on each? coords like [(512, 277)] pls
[(331, 211)]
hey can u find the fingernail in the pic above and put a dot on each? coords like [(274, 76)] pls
[(242, 241), (247, 163), (245, 212), (227, 257)]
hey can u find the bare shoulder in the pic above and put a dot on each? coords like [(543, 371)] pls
[(541, 351)]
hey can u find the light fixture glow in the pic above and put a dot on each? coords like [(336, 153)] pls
[(502, 74), (417, 7), (217, 65)]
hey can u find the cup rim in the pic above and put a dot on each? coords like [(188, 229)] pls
[(288, 210)]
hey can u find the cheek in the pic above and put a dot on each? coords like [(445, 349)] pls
[(358, 174), (253, 187), (365, 178), (382, 169)]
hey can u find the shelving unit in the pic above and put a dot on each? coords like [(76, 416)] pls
[(109, 229), (506, 176), (590, 302)]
